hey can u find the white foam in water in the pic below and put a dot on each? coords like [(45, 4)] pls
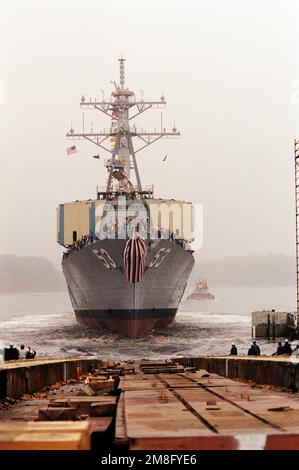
[(47, 324)]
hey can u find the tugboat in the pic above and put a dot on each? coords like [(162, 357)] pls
[(201, 291)]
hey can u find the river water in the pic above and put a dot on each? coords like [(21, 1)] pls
[(46, 322)]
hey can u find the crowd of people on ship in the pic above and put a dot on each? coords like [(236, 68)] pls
[(13, 353), (116, 232), (254, 350), (81, 243)]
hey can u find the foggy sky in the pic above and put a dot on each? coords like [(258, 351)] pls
[(228, 69)]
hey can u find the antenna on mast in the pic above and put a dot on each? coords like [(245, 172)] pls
[(122, 72), (114, 83)]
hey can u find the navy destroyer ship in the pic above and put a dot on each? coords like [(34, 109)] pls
[(128, 255)]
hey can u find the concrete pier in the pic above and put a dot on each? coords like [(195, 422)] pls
[(271, 324)]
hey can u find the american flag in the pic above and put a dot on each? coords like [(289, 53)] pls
[(71, 150)]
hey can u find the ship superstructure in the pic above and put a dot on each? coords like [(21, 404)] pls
[(128, 254)]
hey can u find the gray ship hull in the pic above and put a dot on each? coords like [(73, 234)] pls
[(102, 297)]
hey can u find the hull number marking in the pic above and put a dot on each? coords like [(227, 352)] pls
[(159, 257), (104, 256)]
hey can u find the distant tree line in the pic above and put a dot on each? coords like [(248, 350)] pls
[(252, 270), (29, 274), (35, 274)]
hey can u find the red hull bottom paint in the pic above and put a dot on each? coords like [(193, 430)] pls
[(131, 327), (161, 322)]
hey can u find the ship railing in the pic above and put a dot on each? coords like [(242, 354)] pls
[(102, 193), (117, 127)]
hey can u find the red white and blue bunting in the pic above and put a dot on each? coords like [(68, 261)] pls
[(134, 258)]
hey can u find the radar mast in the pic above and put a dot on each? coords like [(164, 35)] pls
[(122, 164)]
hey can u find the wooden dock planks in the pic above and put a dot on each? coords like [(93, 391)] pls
[(44, 435), (156, 414), (202, 411)]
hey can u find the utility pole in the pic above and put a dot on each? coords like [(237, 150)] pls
[(296, 154)]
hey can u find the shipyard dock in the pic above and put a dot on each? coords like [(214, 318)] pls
[(200, 403)]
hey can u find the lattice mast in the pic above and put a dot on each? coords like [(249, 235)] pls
[(122, 164)]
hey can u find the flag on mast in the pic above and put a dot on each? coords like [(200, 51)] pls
[(71, 150)]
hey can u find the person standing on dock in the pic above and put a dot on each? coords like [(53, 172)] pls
[(287, 348), (233, 351), (11, 353), (22, 352), (279, 350), (30, 354), (254, 349)]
